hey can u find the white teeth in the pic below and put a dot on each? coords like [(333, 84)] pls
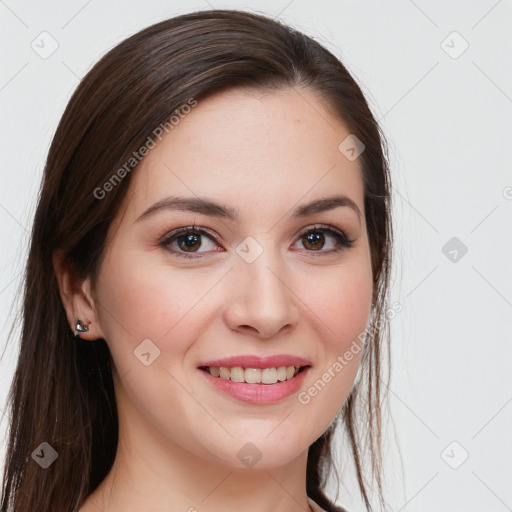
[(281, 373), (269, 375), (255, 375), (237, 374)]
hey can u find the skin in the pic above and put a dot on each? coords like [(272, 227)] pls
[(263, 153)]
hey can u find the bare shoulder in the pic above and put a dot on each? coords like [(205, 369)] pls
[(314, 506), (317, 508), (88, 506)]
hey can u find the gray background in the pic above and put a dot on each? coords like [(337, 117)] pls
[(444, 111)]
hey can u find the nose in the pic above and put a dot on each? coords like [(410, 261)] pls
[(260, 300)]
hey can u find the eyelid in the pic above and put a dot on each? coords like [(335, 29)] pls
[(167, 238), (326, 227), (186, 229)]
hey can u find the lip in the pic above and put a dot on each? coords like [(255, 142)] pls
[(252, 361), (257, 393)]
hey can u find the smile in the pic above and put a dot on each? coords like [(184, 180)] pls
[(271, 375), (262, 385)]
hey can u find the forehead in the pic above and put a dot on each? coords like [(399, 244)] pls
[(250, 148)]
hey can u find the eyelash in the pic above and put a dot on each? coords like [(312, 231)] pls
[(342, 240)]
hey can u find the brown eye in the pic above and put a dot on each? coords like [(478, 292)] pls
[(190, 242), (313, 240), (317, 238), (185, 242)]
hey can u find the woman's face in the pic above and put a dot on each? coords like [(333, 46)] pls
[(264, 281)]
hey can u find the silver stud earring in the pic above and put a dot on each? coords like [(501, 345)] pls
[(80, 327)]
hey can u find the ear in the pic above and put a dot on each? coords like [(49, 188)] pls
[(76, 298)]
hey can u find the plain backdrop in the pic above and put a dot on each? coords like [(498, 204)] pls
[(437, 75)]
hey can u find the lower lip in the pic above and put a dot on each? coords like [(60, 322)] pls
[(258, 393)]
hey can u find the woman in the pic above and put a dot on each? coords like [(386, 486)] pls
[(207, 279)]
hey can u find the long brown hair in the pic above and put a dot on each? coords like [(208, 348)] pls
[(62, 391)]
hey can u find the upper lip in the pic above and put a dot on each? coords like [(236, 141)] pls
[(251, 361)]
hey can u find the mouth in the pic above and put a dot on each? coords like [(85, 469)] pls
[(257, 380), (265, 376)]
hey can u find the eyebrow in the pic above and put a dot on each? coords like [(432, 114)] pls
[(209, 207)]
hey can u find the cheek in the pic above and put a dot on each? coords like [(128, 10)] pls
[(148, 302), (340, 300), (342, 305)]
